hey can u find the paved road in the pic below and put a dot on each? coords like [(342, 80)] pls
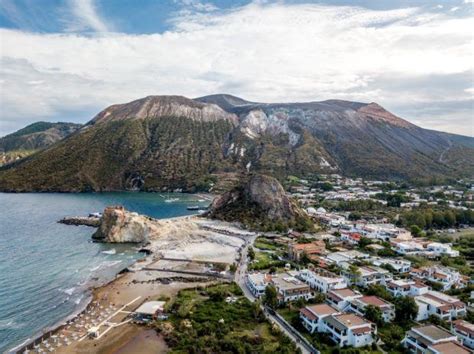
[(239, 278)]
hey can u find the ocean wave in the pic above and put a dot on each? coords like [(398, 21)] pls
[(69, 291), (10, 324), (112, 251), (95, 268)]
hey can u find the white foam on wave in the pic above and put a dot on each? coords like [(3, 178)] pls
[(69, 291), (10, 324), (112, 251), (95, 268)]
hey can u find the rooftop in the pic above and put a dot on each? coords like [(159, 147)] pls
[(150, 307), (288, 282), (322, 309), (349, 320), (464, 326), (450, 348), (343, 293), (432, 332), (373, 300)]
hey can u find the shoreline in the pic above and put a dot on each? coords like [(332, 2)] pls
[(48, 331), (110, 288)]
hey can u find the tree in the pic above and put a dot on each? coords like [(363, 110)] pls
[(374, 314), (257, 310), (251, 253), (354, 273), (305, 259), (364, 242), (233, 268), (270, 298), (406, 309), (380, 291), (415, 230)]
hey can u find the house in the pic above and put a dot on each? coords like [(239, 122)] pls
[(338, 258), (430, 339), (442, 249), (296, 250), (312, 316), (368, 275), (290, 288), (399, 265), (257, 282), (447, 277), (322, 282), (349, 330), (358, 306), (149, 311), (407, 247), (340, 298), (406, 288), (464, 331), (351, 238), (441, 305)]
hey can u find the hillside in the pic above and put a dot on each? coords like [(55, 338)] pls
[(260, 202), (33, 137), (168, 142)]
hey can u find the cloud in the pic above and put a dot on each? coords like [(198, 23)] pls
[(83, 16), (404, 59)]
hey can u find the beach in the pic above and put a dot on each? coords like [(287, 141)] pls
[(182, 258)]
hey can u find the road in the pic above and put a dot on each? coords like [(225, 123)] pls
[(239, 278)]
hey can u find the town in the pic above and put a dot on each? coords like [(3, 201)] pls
[(389, 270)]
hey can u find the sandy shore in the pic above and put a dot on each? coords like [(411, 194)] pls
[(193, 238)]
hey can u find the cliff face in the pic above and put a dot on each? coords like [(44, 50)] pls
[(120, 226), (260, 203)]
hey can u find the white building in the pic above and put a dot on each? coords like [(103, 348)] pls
[(464, 331), (349, 330), (341, 298), (312, 316), (441, 305), (368, 275), (339, 258), (257, 282), (447, 277), (408, 247), (442, 249), (406, 288), (322, 283), (431, 339), (400, 265), (358, 306), (290, 289)]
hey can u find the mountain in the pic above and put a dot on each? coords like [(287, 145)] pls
[(34, 137), (169, 142)]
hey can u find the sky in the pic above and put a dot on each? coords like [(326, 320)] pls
[(66, 60)]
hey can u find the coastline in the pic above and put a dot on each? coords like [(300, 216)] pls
[(139, 280), (47, 331)]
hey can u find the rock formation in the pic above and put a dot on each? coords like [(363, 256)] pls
[(119, 225), (260, 202)]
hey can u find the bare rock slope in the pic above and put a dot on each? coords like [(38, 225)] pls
[(120, 226), (260, 203)]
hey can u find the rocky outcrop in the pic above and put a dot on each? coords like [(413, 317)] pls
[(261, 203), (122, 226), (91, 221)]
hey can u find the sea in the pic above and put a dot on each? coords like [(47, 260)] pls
[(46, 268)]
